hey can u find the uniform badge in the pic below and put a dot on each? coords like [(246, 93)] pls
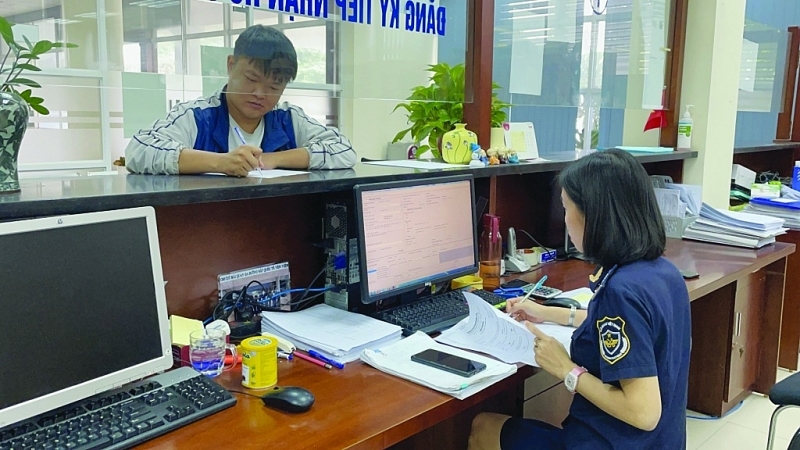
[(614, 343)]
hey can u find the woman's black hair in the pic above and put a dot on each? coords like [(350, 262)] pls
[(270, 50), (616, 197)]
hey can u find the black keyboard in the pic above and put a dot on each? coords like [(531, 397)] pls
[(122, 417), (435, 313)]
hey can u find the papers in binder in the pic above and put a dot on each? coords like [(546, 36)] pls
[(337, 334), (395, 359)]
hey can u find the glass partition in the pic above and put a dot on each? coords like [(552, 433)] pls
[(136, 59), (763, 69), (587, 74)]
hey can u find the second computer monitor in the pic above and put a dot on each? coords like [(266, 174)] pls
[(414, 233)]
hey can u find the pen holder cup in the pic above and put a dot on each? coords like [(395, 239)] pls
[(674, 226), (207, 352)]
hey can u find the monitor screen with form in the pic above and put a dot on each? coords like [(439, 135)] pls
[(83, 307), (414, 233)]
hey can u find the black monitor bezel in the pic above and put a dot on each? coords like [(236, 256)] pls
[(362, 251)]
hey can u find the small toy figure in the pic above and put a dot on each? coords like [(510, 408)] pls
[(484, 158), (476, 161), (513, 157)]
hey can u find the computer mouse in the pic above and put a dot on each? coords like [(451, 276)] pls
[(562, 302), (291, 399)]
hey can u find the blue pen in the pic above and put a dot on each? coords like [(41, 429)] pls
[(539, 283), (325, 359), (535, 287), (241, 138)]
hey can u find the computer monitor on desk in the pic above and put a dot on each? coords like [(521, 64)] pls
[(413, 234), (84, 308)]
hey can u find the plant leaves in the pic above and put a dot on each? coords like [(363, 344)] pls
[(64, 45), (24, 81), (34, 100), (26, 94), (28, 42), (6, 31), (41, 47), (40, 109), (27, 56), (25, 66), (400, 135)]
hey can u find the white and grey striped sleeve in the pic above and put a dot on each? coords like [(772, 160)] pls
[(155, 150), (327, 147)]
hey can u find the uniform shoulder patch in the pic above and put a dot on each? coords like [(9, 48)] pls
[(614, 343)]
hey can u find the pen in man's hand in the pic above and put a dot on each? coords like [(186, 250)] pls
[(241, 138)]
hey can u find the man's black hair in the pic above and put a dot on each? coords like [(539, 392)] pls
[(615, 195), (270, 50)]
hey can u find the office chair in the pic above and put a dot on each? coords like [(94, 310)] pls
[(785, 394)]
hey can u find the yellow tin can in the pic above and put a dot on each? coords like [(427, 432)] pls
[(259, 362)]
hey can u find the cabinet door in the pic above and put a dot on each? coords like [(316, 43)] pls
[(750, 300)]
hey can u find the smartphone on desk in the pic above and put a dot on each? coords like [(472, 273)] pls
[(449, 363)]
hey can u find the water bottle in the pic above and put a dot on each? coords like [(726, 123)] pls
[(796, 176), (490, 252)]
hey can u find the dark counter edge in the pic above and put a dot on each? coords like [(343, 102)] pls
[(767, 148), (21, 209)]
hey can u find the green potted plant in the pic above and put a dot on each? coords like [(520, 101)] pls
[(436, 108), (16, 98)]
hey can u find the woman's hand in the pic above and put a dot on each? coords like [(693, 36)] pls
[(525, 310), (550, 354)]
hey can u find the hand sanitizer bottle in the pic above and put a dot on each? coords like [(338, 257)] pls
[(685, 126), (796, 176)]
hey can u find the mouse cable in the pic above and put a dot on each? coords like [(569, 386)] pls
[(243, 393)]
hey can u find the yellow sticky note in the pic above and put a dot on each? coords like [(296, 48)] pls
[(180, 328)]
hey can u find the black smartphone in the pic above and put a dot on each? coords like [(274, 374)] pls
[(689, 275), (447, 362), (515, 283)]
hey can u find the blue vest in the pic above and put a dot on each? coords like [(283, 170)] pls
[(213, 127)]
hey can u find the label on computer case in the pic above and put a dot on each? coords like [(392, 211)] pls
[(352, 262)]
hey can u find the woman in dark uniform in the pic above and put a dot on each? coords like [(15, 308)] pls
[(629, 363)]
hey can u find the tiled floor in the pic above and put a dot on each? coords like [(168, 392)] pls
[(744, 429)]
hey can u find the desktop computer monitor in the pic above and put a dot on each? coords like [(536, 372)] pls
[(414, 233), (84, 309)]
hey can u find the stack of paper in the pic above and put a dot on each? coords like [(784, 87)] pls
[(787, 209), (395, 359), (734, 228), (337, 334), (487, 330)]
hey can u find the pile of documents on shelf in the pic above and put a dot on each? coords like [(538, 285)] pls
[(785, 208), (738, 229), (336, 334)]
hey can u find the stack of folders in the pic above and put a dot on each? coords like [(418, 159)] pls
[(738, 229), (485, 330), (336, 334), (396, 360), (787, 209)]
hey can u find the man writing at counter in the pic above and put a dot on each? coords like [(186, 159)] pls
[(242, 127)]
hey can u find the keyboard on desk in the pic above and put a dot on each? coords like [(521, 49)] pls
[(122, 417), (435, 313)]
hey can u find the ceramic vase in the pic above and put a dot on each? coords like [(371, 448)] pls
[(456, 145), (13, 122)]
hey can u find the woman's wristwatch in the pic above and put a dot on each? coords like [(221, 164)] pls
[(571, 381)]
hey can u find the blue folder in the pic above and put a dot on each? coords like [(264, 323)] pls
[(784, 203)]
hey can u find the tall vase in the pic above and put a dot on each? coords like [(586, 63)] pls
[(456, 145), (13, 122)]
